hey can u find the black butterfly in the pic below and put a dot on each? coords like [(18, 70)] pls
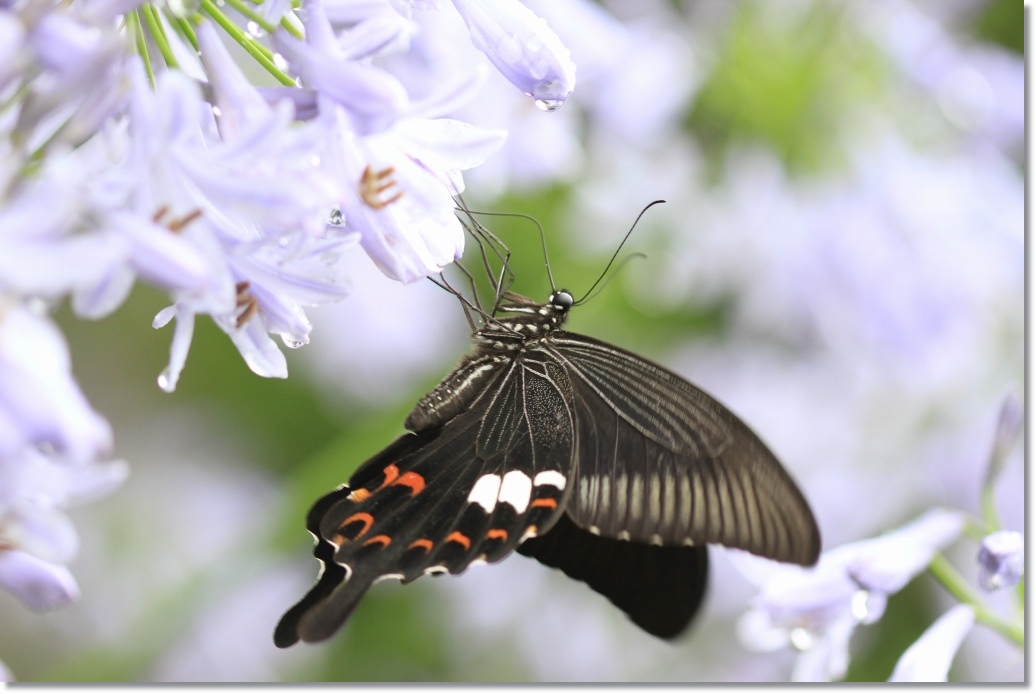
[(567, 449)]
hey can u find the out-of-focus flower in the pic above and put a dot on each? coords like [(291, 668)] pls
[(928, 659), (51, 445), (1001, 560), (522, 47), (816, 610), (396, 168)]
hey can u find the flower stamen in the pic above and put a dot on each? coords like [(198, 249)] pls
[(373, 184), (247, 302), (176, 224)]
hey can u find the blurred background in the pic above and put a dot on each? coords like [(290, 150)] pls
[(840, 261)]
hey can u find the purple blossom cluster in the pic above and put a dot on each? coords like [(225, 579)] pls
[(872, 312), (134, 147)]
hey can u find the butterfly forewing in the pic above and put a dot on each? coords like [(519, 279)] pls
[(438, 500), (661, 461)]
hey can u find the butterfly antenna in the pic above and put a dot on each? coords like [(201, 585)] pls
[(484, 237), (465, 303), (590, 292)]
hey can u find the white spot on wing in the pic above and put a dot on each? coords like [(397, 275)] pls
[(516, 489), (551, 477), (485, 492)]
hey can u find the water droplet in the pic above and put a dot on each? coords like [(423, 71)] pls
[(549, 104), (255, 30), (279, 62), (337, 218), (166, 382), (292, 343), (183, 8), (216, 112), (801, 639)]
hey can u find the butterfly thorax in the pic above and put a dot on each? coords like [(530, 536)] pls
[(519, 321)]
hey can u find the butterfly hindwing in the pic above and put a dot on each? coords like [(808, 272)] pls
[(438, 500), (662, 462), (660, 588)]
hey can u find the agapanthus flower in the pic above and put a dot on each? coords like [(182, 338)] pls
[(522, 47), (815, 610), (397, 165), (53, 450), (928, 659), (1001, 560)]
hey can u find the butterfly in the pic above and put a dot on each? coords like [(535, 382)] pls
[(566, 449)]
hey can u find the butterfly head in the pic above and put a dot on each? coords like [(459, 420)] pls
[(561, 300)]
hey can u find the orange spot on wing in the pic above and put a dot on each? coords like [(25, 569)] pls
[(412, 480), (424, 543), (544, 503), (359, 495), (365, 518), (391, 473), (460, 539), (384, 540), (497, 534)]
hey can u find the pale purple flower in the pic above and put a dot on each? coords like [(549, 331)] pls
[(928, 659), (1001, 560), (397, 168), (51, 442), (815, 610), (522, 47), (40, 585)]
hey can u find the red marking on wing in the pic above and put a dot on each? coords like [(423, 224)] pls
[(424, 543), (365, 518), (544, 503), (391, 473), (460, 539), (384, 540), (412, 480), (497, 534)]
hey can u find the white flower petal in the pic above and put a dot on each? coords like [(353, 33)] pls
[(38, 584), (887, 563), (928, 659), (522, 47)]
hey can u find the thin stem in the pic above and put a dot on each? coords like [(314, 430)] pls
[(134, 27), (154, 25), (254, 49), (252, 15), (958, 586), (187, 30)]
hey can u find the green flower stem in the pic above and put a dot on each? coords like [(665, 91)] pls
[(157, 31), (254, 49), (134, 27), (989, 515), (956, 584), (285, 22), (187, 29), (252, 15)]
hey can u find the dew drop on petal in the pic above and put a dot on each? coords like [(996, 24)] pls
[(165, 381), (279, 62), (336, 219), (254, 30), (291, 342), (549, 104), (801, 639)]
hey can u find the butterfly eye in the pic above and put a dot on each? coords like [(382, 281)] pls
[(561, 300)]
